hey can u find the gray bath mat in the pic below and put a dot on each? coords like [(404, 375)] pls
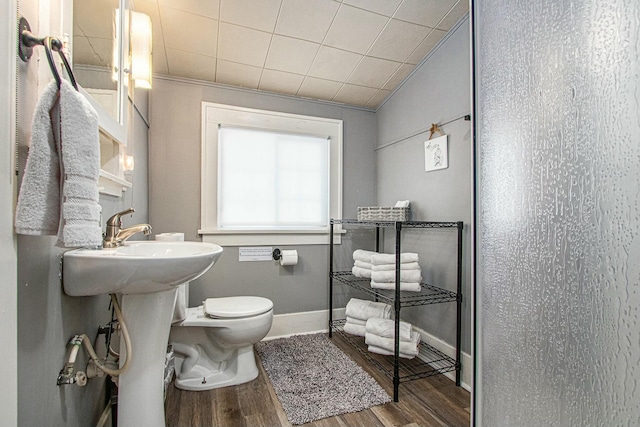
[(314, 379)]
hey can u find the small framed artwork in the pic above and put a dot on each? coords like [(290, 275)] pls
[(436, 154)]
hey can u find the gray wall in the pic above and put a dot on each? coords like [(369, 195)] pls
[(558, 225), (438, 91), (175, 145), (47, 318)]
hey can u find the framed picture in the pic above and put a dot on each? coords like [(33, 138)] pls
[(436, 154)]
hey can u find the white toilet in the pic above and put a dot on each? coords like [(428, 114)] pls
[(213, 343)]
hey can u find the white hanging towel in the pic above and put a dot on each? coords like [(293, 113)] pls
[(59, 190), (38, 209), (80, 166)]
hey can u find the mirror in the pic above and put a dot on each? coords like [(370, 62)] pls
[(97, 32), (95, 51), (98, 38)]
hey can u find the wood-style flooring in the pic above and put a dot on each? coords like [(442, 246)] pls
[(433, 401)]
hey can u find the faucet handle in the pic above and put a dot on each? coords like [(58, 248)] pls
[(115, 219)]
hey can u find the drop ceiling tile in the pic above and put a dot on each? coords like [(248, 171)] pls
[(231, 73), (373, 72), (426, 46), (399, 76), (93, 19), (208, 8), (280, 82), (306, 19), (291, 55), (243, 45), (260, 15), (343, 34), (319, 88), (398, 40), (383, 7), (151, 8), (354, 95), (424, 12), (191, 65), (174, 23), (92, 51), (454, 15), (334, 64), (377, 99), (159, 60)]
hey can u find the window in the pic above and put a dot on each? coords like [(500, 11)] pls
[(269, 178)]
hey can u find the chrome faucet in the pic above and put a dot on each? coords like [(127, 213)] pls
[(115, 235)]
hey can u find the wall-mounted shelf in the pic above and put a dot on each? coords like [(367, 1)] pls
[(111, 180), (112, 185)]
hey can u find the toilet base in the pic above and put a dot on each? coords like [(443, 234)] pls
[(227, 375)]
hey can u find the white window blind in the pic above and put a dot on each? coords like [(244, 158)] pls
[(271, 180)]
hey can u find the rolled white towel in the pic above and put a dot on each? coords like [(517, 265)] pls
[(363, 264), (361, 272), (355, 321), (386, 328), (352, 329), (378, 259), (390, 276), (403, 266), (406, 347), (404, 286), (362, 309), (384, 352), (362, 255)]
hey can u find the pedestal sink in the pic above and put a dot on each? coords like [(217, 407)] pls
[(146, 274)]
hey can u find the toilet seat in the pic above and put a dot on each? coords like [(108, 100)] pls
[(236, 307)]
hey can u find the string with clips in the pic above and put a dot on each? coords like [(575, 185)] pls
[(26, 42), (435, 128)]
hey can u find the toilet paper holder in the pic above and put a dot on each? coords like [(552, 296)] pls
[(285, 258)]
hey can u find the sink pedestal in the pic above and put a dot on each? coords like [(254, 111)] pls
[(141, 387)]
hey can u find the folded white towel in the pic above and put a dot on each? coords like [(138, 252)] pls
[(364, 310), (386, 328), (80, 164), (378, 259), (361, 272), (384, 352), (390, 276), (353, 329), (38, 209), (404, 286), (362, 255), (355, 321), (403, 266), (406, 347), (363, 264), (402, 204)]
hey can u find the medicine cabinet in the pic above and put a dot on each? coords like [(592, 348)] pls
[(97, 36)]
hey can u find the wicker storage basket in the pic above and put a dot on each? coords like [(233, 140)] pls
[(383, 213)]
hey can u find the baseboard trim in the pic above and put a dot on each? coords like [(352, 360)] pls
[(306, 322), (312, 322)]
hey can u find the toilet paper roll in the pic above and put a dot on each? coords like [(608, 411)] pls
[(289, 257), (170, 237)]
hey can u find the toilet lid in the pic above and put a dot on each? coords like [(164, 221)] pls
[(236, 306)]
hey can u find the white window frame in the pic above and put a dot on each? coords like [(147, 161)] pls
[(216, 115)]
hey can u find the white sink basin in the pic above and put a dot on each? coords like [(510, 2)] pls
[(136, 267)]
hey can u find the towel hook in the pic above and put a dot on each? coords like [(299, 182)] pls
[(27, 40)]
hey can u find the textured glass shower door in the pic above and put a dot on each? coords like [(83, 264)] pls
[(558, 214)]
